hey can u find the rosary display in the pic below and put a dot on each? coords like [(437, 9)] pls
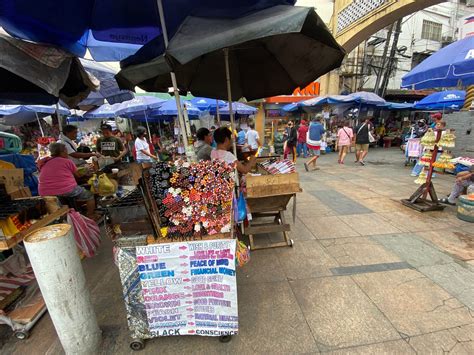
[(193, 199)]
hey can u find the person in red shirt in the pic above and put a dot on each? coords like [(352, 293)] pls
[(302, 133)]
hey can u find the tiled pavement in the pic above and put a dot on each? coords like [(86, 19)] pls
[(366, 276)]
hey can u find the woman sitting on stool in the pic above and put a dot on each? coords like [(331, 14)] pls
[(58, 178)]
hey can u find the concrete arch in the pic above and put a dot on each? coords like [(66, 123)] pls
[(379, 14)]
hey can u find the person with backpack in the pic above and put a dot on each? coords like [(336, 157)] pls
[(363, 138), (345, 136)]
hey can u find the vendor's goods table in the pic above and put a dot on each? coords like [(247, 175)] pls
[(267, 199)]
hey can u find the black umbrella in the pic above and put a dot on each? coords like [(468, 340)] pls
[(271, 52), (31, 73)]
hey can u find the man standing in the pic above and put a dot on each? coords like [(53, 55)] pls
[(203, 145), (316, 131), (253, 139), (110, 146), (302, 132), (68, 138), (363, 140)]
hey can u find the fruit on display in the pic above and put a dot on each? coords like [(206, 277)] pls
[(426, 158), (447, 140), (429, 139), (444, 161)]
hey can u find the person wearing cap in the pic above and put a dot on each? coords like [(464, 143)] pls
[(301, 147), (203, 145), (110, 146), (142, 147), (436, 118)]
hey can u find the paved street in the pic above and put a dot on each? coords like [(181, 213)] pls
[(366, 276)]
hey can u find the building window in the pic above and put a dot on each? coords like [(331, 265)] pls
[(431, 31)]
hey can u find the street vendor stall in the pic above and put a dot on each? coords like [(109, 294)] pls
[(21, 302), (268, 195), (178, 277)]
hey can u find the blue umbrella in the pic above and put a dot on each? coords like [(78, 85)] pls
[(108, 88), (169, 109), (111, 29), (14, 115), (104, 111), (397, 106), (207, 104), (362, 97), (290, 107), (452, 99), (139, 105), (238, 108), (447, 67)]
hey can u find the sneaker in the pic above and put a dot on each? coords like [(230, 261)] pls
[(306, 167), (362, 162)]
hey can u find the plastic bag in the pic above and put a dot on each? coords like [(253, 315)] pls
[(86, 232), (102, 185), (241, 208)]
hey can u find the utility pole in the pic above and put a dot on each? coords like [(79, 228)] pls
[(384, 56), (391, 59)]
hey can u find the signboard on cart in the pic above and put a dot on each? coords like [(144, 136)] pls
[(189, 288)]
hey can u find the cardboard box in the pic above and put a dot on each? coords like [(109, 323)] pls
[(13, 179)]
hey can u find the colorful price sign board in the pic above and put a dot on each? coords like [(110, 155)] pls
[(189, 288)]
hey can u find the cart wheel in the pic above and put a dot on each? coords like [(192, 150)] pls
[(225, 338), (21, 334), (292, 243), (137, 344)]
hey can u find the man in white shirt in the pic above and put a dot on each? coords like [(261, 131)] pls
[(253, 139), (142, 148), (68, 138), (223, 138)]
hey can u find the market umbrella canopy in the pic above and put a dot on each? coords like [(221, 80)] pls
[(108, 89), (169, 108), (447, 67), (37, 74), (110, 29), (14, 115), (103, 111), (451, 99), (139, 104), (271, 52), (238, 108), (207, 104)]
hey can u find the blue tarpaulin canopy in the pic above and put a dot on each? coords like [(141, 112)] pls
[(446, 68), (397, 106), (443, 100), (104, 111), (111, 29)]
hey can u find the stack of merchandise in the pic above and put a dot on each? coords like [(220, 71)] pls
[(444, 161), (447, 140), (17, 215), (194, 200), (426, 158), (421, 178), (429, 139), (274, 166)]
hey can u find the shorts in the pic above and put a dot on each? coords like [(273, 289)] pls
[(362, 147), (316, 152), (80, 194)]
